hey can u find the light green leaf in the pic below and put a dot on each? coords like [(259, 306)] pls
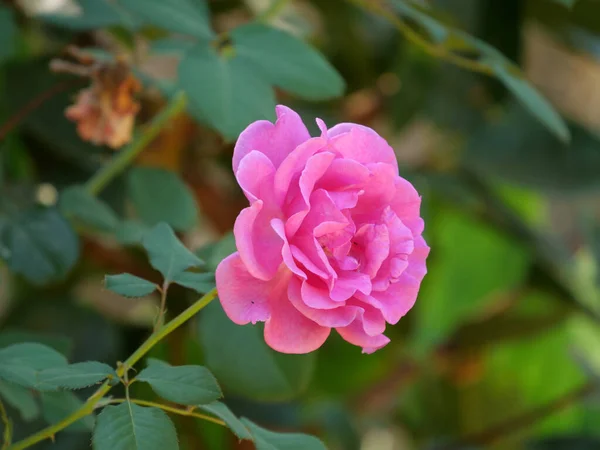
[(39, 244), (179, 16), (21, 399), (58, 405), (287, 62), (21, 363), (132, 427), (268, 440), (200, 282), (75, 202), (225, 92), (186, 385), (167, 254), (8, 32), (159, 195), (74, 376), (473, 262), (245, 365), (532, 100), (129, 285), (223, 412), (131, 232)]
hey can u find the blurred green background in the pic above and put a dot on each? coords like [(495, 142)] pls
[(502, 349)]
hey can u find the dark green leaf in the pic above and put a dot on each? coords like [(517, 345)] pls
[(93, 14), (180, 16), (287, 62), (21, 399), (245, 365), (532, 100), (129, 285), (17, 336), (58, 405), (130, 232), (186, 385), (39, 244), (159, 195), (74, 376), (223, 412), (8, 33), (225, 92), (132, 427), (77, 203), (20, 363), (268, 440), (437, 31), (200, 282), (167, 254)]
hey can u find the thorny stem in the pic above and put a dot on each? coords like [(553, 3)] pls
[(7, 435), (272, 11), (439, 51), (179, 411), (88, 407), (126, 156)]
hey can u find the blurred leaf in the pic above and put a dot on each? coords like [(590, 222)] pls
[(159, 195), (268, 440), (58, 405), (75, 202), (172, 45), (20, 363), (287, 62), (215, 252), (223, 412), (565, 443), (567, 3), (12, 336), (131, 232), (472, 263), (21, 399), (38, 244), (519, 150), (200, 282), (225, 91), (179, 16), (93, 14), (129, 285), (132, 427), (436, 30), (585, 341), (167, 254), (245, 365), (532, 100), (8, 33), (186, 385), (74, 376)]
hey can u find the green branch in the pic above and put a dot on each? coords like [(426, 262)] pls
[(126, 156), (7, 435), (88, 407)]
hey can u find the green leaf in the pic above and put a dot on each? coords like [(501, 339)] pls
[(21, 363), (159, 195), (75, 202), (93, 14), (58, 405), (223, 412), (74, 376), (167, 254), (172, 45), (287, 62), (437, 31), (268, 440), (132, 427), (179, 16), (18, 336), (129, 285), (225, 92), (8, 33), (532, 100), (21, 399), (200, 282), (186, 385), (245, 365), (473, 263), (131, 232), (39, 244)]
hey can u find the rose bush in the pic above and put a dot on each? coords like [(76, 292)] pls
[(332, 237)]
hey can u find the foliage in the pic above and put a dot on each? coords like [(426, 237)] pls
[(490, 109)]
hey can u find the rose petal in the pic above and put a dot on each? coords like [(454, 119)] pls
[(276, 141), (355, 334), (255, 176), (286, 251), (258, 244), (243, 297)]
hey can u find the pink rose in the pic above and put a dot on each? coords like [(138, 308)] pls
[(331, 239)]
